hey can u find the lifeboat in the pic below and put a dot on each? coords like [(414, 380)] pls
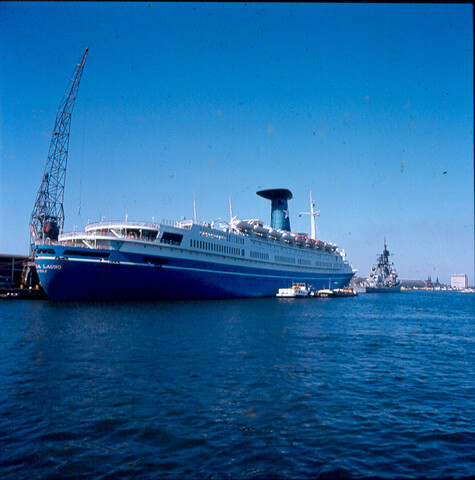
[(261, 230), (328, 247), (309, 242), (273, 233), (300, 239), (288, 237), (320, 244), (244, 226)]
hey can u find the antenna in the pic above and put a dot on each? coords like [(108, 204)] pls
[(194, 207), (230, 212)]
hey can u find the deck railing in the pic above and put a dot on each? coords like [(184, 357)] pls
[(98, 234), (124, 223)]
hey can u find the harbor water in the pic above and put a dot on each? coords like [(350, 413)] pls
[(378, 385)]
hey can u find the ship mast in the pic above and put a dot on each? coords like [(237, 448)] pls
[(47, 218), (312, 214)]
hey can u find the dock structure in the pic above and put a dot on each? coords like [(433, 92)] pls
[(18, 277), (11, 268)]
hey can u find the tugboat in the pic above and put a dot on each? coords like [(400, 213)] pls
[(324, 293), (383, 277), (344, 292), (337, 292), (298, 290)]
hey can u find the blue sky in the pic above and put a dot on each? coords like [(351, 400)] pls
[(368, 105)]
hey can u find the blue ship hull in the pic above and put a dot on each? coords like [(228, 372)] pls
[(112, 275)]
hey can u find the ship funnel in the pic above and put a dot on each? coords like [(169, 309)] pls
[(279, 209)]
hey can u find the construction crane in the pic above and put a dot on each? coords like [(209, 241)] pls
[(47, 218)]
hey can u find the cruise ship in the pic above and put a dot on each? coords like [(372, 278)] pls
[(187, 259)]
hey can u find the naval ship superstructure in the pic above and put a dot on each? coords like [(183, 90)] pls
[(383, 278), (133, 260)]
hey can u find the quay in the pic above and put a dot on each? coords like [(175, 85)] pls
[(18, 277)]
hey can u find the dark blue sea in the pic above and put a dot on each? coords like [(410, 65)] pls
[(373, 386)]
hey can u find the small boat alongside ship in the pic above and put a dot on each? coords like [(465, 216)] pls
[(336, 292), (383, 277), (344, 292), (303, 290), (298, 290), (324, 293)]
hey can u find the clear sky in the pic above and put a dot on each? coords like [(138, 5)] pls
[(368, 105)]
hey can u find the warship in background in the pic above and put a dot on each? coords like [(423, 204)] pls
[(383, 277)]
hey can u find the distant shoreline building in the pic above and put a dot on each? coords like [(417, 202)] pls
[(408, 283), (429, 283), (459, 281)]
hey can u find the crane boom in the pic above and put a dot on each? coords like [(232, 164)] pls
[(47, 218)]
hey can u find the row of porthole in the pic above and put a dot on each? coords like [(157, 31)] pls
[(293, 249), (228, 238), (214, 247)]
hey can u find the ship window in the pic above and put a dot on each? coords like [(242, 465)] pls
[(45, 250), (260, 255), (149, 234), (171, 238)]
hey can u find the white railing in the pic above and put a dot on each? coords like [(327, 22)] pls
[(98, 234), (170, 223), (63, 236), (183, 224), (123, 223), (140, 224)]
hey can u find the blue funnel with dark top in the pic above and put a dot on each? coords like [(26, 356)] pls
[(279, 217)]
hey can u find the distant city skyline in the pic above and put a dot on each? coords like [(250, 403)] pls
[(368, 105)]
